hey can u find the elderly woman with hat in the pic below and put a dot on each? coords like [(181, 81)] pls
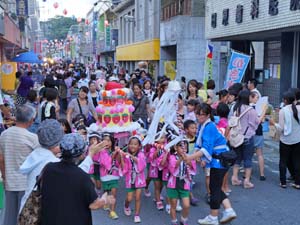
[(68, 194), (50, 133)]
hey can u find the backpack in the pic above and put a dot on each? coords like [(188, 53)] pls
[(236, 137), (62, 89)]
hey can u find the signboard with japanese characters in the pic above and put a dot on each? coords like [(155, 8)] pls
[(231, 17), (236, 68)]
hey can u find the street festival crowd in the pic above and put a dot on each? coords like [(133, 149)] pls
[(47, 147)]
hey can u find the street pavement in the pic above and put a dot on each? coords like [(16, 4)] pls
[(266, 204)]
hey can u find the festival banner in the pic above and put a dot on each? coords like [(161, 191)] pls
[(236, 68), (208, 64), (170, 69), (8, 75)]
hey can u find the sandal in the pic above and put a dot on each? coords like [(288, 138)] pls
[(282, 185), (236, 182), (296, 186), (248, 185)]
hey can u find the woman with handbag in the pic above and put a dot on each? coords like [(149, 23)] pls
[(209, 146), (289, 147), (82, 105)]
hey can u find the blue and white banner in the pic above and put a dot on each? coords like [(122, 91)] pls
[(236, 68)]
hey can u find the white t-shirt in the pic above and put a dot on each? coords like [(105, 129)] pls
[(1, 103)]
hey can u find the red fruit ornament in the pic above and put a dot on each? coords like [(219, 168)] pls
[(107, 119), (116, 118)]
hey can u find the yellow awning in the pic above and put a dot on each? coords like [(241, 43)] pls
[(146, 50)]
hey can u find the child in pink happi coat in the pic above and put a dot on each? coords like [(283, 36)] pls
[(158, 170), (94, 138), (180, 180), (109, 160), (133, 166)]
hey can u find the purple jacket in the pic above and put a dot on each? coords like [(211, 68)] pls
[(174, 173), (134, 172)]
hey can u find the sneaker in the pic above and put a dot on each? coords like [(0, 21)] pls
[(194, 201), (183, 223), (127, 211), (208, 221), (159, 205), (168, 208), (228, 215), (262, 178), (147, 193), (113, 215), (137, 219), (106, 207), (178, 207)]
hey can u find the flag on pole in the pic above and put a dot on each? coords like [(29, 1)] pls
[(208, 64), (236, 68)]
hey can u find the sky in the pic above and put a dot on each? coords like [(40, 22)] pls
[(78, 8)]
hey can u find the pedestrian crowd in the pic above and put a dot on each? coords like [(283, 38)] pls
[(47, 136)]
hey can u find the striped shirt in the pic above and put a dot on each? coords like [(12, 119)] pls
[(16, 144)]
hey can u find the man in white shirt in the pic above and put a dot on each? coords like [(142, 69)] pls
[(83, 81), (16, 143), (252, 86)]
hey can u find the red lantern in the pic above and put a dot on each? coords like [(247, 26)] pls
[(65, 12), (55, 5), (106, 23), (87, 22), (78, 19)]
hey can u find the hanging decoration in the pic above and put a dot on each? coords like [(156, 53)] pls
[(79, 19), (87, 22), (55, 5), (65, 12)]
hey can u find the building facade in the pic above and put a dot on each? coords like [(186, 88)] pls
[(276, 23), (182, 40), (139, 44)]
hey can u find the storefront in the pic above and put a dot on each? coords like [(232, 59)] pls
[(276, 23), (130, 55)]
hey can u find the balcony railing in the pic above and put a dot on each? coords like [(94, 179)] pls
[(175, 8)]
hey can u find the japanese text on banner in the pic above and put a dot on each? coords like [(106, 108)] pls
[(236, 68)]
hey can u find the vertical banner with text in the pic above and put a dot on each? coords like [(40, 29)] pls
[(236, 68), (170, 69), (208, 64)]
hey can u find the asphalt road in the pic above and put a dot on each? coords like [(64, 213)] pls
[(266, 204)]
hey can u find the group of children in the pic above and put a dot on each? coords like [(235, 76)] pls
[(138, 165)]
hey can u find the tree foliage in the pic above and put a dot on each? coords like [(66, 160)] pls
[(57, 27)]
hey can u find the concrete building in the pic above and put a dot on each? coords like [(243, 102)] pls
[(182, 40), (273, 22), (34, 23), (139, 44)]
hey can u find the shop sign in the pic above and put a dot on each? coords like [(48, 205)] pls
[(22, 8), (254, 11), (294, 5)]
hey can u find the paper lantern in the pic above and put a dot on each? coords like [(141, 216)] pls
[(65, 12), (55, 5), (79, 19), (87, 22), (106, 23)]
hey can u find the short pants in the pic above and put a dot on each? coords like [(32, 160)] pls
[(177, 193)]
